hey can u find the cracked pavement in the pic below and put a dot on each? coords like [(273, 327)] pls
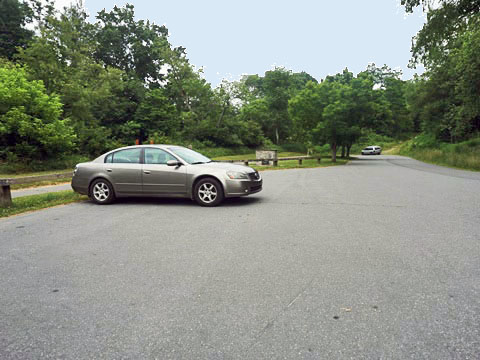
[(376, 259)]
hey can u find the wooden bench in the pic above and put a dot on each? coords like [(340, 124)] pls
[(6, 194)]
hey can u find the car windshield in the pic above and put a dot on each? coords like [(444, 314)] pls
[(190, 156), (368, 148)]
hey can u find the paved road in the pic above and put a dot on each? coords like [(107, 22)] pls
[(376, 259)]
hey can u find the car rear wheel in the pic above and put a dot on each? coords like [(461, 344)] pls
[(101, 192), (208, 192)]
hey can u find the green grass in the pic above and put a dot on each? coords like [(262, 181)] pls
[(464, 155), (41, 201)]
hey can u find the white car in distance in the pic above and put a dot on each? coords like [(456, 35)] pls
[(372, 150)]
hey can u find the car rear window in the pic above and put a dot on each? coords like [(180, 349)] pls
[(127, 156)]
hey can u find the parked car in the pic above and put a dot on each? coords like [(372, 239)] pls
[(372, 150), (163, 171)]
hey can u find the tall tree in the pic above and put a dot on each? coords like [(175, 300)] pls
[(446, 19), (14, 16), (276, 85), (136, 47)]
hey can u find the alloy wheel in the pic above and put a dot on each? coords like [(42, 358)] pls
[(207, 193), (101, 191)]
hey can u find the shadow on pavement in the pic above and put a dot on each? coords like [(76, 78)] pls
[(229, 202)]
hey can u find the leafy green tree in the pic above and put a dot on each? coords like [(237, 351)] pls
[(390, 116), (446, 19), (30, 124), (444, 101), (305, 110), (299, 80), (333, 128), (395, 96), (321, 114), (100, 101), (156, 114), (136, 47), (14, 16), (276, 85)]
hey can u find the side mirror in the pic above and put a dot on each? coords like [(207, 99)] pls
[(173, 163)]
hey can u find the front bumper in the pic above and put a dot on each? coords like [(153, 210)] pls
[(235, 188)]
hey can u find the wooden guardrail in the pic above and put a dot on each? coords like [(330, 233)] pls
[(275, 161), (5, 193)]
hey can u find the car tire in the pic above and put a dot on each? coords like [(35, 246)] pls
[(208, 192), (101, 192)]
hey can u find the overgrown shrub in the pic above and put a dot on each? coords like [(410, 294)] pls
[(30, 124)]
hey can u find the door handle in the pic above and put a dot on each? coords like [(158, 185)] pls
[(146, 172), (109, 170)]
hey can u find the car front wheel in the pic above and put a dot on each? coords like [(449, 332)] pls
[(101, 192), (208, 192)]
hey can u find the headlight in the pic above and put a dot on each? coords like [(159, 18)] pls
[(236, 175), (75, 170)]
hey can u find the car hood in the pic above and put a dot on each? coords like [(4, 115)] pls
[(226, 167)]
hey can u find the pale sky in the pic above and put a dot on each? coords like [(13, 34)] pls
[(231, 38)]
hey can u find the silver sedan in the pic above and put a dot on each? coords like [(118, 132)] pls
[(163, 171)]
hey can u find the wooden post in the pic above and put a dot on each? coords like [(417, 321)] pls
[(275, 162), (245, 162), (319, 159), (299, 161), (5, 196)]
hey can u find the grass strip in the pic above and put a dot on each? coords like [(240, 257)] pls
[(469, 161), (41, 201), (465, 155)]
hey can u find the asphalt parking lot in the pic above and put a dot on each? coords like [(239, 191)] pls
[(376, 259)]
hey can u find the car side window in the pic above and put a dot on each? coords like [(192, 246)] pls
[(157, 156), (109, 158), (127, 156)]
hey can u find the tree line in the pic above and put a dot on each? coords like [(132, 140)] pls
[(70, 84)]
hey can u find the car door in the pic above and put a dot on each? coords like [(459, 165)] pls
[(158, 177), (124, 170)]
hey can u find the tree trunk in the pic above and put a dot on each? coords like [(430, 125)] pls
[(221, 115), (334, 152), (348, 150), (276, 134), (343, 151)]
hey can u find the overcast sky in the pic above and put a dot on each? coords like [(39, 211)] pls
[(231, 38)]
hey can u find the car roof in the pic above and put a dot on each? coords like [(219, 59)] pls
[(144, 146), (160, 146)]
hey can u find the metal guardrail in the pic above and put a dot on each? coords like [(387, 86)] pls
[(5, 193)]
